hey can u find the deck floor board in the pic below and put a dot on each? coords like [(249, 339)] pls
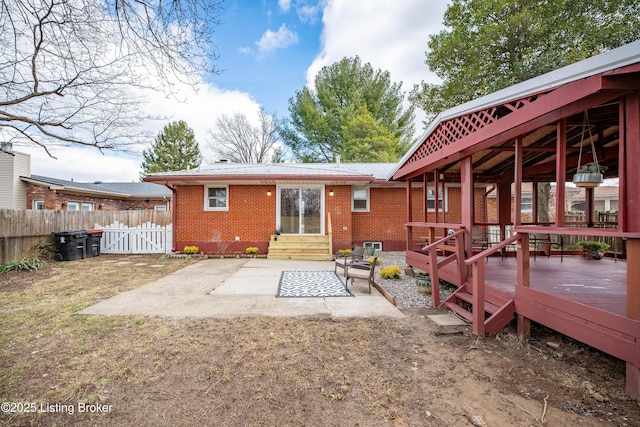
[(598, 283)]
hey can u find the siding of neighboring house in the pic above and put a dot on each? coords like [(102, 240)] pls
[(54, 200), (13, 190)]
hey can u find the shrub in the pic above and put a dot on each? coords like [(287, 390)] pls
[(251, 250), (592, 245), (22, 264), (391, 272), (344, 252), (190, 250), (370, 259)]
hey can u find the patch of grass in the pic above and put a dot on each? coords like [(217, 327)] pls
[(48, 339), (335, 396), (22, 264)]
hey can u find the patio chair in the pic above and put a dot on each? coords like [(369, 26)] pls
[(479, 240), (358, 270), (356, 256)]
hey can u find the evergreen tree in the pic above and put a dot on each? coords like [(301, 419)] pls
[(490, 45), (350, 107), (175, 148)]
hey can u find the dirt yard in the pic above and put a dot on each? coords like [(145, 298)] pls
[(59, 368)]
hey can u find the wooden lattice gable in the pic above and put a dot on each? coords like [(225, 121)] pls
[(450, 131), (521, 108)]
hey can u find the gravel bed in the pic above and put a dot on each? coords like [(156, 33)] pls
[(404, 289)]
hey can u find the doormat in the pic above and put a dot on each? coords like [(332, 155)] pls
[(310, 284)]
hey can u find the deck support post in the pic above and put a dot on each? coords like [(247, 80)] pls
[(523, 279), (478, 299), (630, 182)]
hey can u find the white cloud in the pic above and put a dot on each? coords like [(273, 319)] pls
[(280, 39), (309, 12), (199, 110), (284, 5), (391, 35)]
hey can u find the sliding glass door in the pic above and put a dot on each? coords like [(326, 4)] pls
[(300, 210)]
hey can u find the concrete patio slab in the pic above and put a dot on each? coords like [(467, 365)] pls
[(225, 288)]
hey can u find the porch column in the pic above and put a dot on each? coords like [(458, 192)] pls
[(504, 204), (561, 170), (409, 217), (466, 180), (425, 198), (517, 197), (630, 183)]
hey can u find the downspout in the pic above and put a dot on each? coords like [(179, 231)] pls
[(173, 214)]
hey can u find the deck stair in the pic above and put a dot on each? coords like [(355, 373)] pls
[(499, 311), (302, 247)]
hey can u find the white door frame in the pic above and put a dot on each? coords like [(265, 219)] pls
[(322, 206)]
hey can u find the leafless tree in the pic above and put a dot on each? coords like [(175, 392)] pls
[(234, 138), (73, 71)]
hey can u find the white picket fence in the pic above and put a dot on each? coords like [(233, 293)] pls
[(148, 238)]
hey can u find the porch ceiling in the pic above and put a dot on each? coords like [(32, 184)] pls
[(486, 129), (539, 148)]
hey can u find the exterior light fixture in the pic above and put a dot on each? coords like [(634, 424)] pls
[(269, 193), (331, 193)]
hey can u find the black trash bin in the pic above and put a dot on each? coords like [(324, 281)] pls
[(93, 242), (70, 245)]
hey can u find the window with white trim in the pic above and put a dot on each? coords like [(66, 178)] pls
[(375, 245), (360, 199), (38, 205), (73, 206), (216, 198), (86, 207), (160, 208), (431, 200)]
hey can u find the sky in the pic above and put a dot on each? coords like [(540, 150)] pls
[(268, 50)]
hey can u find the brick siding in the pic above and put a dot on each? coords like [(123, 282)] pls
[(252, 217), (54, 200)]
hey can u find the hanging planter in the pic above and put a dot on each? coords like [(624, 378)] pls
[(589, 176)]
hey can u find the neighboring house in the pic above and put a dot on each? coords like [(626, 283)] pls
[(13, 165), (230, 206), (57, 194), (605, 200)]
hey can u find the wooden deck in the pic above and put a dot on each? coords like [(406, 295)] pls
[(581, 298), (601, 284)]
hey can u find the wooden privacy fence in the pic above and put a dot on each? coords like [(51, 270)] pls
[(29, 233)]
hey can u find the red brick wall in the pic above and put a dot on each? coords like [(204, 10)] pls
[(252, 217), (386, 218), (341, 218), (54, 200)]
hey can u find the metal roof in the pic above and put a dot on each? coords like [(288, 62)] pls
[(117, 189), (377, 171)]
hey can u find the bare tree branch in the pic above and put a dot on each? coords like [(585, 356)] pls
[(234, 138), (75, 71)]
